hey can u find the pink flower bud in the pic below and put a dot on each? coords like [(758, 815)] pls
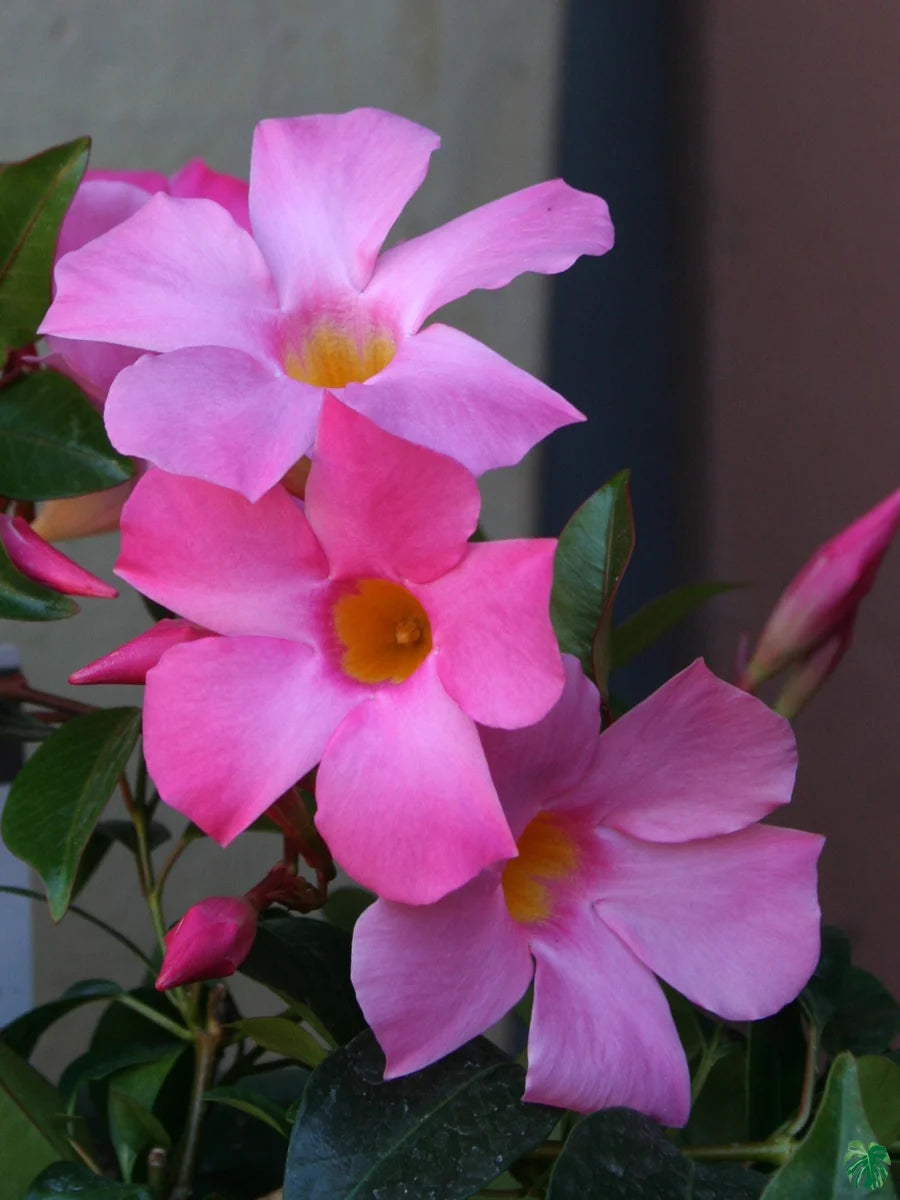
[(210, 941), (32, 556), (807, 676), (822, 599)]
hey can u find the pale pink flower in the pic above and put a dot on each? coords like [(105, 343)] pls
[(31, 555), (210, 941), (638, 855), (249, 331), (360, 628), (819, 605)]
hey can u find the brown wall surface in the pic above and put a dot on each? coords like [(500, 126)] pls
[(796, 289)]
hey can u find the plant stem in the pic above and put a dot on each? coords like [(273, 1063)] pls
[(16, 687), (206, 1048), (709, 1058), (30, 894), (776, 1152), (179, 848), (810, 1073), (157, 1018)]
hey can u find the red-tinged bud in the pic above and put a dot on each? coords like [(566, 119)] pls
[(210, 941), (31, 555), (821, 601), (131, 662), (807, 676)]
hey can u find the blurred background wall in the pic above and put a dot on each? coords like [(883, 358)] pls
[(737, 349)]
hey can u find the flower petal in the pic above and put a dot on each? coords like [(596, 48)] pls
[(195, 178), (732, 922), (532, 766), (496, 650), (381, 506), (92, 365), (238, 423), (405, 800), (176, 273), (695, 759), (226, 564), (542, 228), (97, 206), (229, 727), (430, 977), (131, 662), (602, 1034), (325, 190), (447, 391), (31, 555)]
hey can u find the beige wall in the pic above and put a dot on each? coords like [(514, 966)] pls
[(797, 178), (157, 83)]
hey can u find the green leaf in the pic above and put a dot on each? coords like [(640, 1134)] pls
[(307, 962), (719, 1113), (72, 1181), (105, 835), (593, 552), (776, 1058), (816, 1171), (254, 1104), (32, 1124), (639, 631), (879, 1085), (440, 1134), (854, 1009), (53, 443), (101, 1061), (345, 905), (21, 599), (133, 1127), (622, 1155), (58, 796), (22, 1034), (34, 196), (284, 1037)]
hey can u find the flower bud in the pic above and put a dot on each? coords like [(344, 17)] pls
[(210, 941), (822, 599), (31, 555), (807, 676)]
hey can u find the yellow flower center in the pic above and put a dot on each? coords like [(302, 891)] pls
[(384, 632), (546, 853), (331, 357)]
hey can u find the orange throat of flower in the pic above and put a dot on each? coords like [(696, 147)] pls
[(547, 855), (383, 630), (331, 357)]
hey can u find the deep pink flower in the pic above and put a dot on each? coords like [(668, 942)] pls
[(210, 941), (639, 855), (250, 330), (819, 605), (361, 629), (31, 555)]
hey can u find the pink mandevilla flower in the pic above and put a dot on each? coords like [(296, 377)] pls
[(210, 941), (361, 629), (638, 854), (250, 330), (818, 607), (104, 200)]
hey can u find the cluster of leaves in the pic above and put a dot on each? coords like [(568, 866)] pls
[(297, 1100)]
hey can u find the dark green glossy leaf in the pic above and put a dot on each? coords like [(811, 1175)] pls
[(593, 552), (72, 1181), (619, 1154), (854, 1009), (817, 1171), (719, 1113), (308, 962), (776, 1057), (21, 599), (22, 1034), (61, 791), (53, 442), (879, 1085), (32, 1124), (652, 622), (346, 905), (821, 995), (101, 1062), (282, 1036), (254, 1103), (34, 196), (440, 1134), (133, 1127)]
